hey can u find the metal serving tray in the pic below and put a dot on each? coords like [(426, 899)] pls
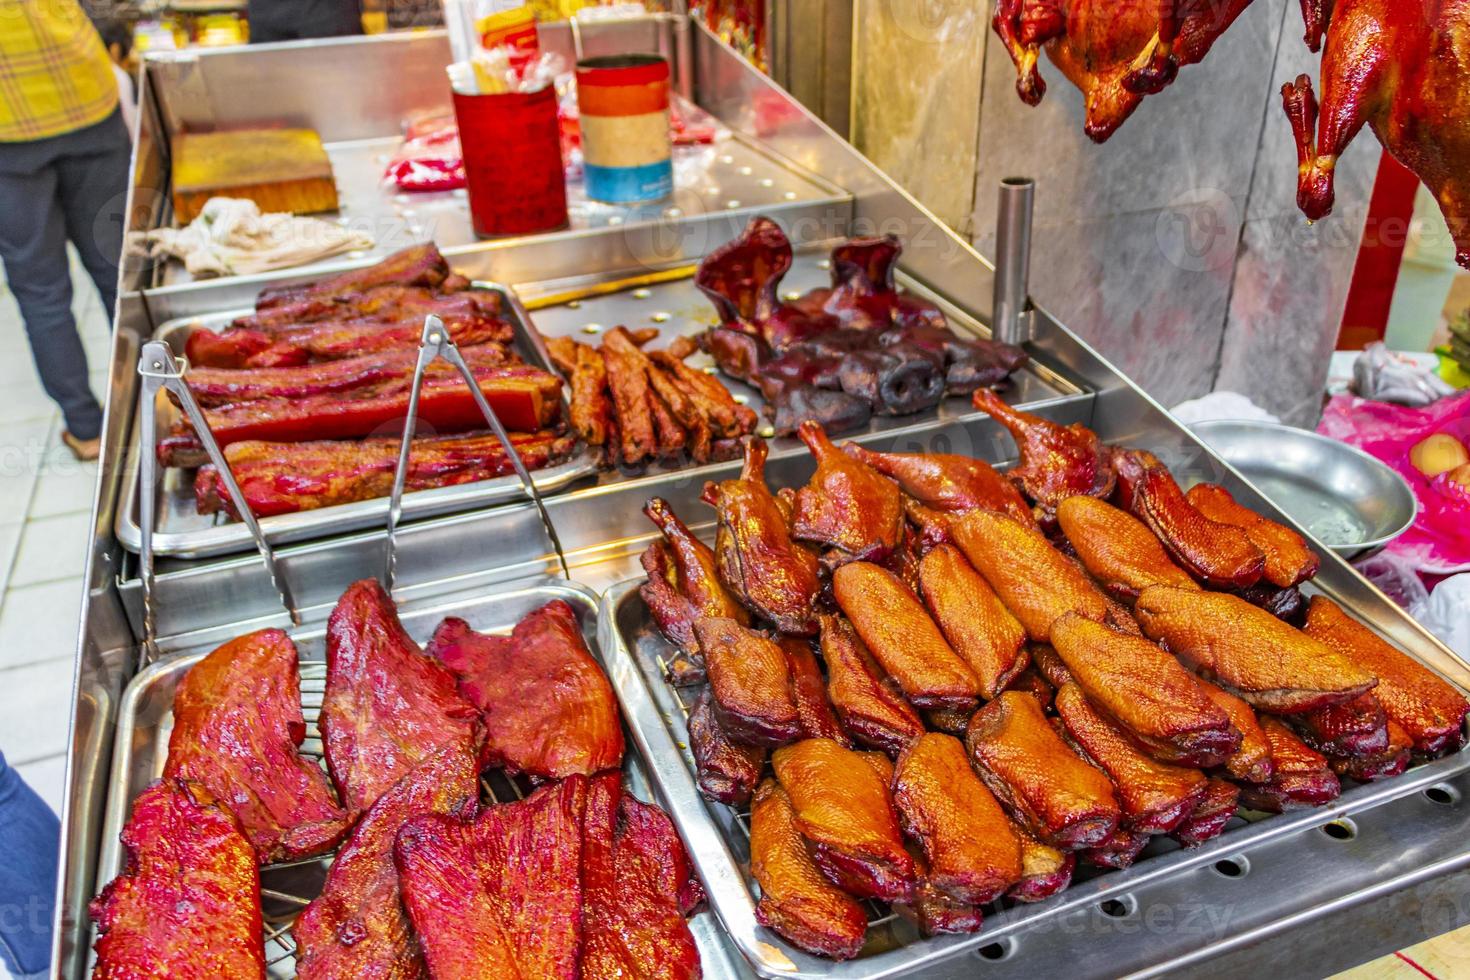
[(719, 837), (145, 721), (182, 532)]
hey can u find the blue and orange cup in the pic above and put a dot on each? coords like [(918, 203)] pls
[(623, 104)]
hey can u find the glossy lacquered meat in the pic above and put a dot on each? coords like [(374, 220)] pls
[(750, 679), (683, 584), (1289, 559), (774, 577), (847, 506), (387, 707), (1247, 650), (809, 692), (357, 927), (796, 899), (1250, 762), (1351, 728), (289, 477), (417, 265), (1037, 583), (470, 319), (1391, 760), (971, 854), (935, 911), (1045, 870), (870, 705), (947, 483), (1156, 702), (974, 620), (1117, 549), (1215, 810), (237, 731), (1301, 776), (727, 771), (546, 707), (1155, 797), (188, 902), (906, 641), (1220, 554), (1057, 461), (1058, 797), (1429, 710), (845, 813)]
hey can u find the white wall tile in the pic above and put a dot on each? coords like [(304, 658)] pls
[(35, 710), (39, 622), (52, 549)]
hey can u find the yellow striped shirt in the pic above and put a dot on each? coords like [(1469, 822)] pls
[(55, 76)]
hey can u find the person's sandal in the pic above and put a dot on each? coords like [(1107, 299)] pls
[(84, 450)]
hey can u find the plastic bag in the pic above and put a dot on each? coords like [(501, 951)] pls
[(430, 158), (1446, 613)]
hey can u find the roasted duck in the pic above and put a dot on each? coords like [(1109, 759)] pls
[(934, 911), (1155, 797), (1401, 69), (727, 771), (503, 895), (639, 888), (809, 693), (1116, 54), (845, 813), (1301, 777), (357, 927), (847, 506), (1050, 666), (1350, 728), (971, 854), (772, 575), (869, 704), (1429, 710), (1245, 649), (1252, 761), (1289, 559), (797, 900), (683, 583), (188, 902), (1062, 800), (1117, 549), (546, 706), (1208, 820), (237, 731), (417, 265), (1392, 760), (750, 679), (897, 629), (975, 622), (1157, 703), (947, 483), (1044, 869), (1220, 554), (1057, 461), (1118, 851), (288, 477), (1036, 582), (1030, 683), (387, 707)]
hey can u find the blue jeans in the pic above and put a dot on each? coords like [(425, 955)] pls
[(30, 838)]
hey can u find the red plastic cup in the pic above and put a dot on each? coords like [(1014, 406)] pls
[(512, 162)]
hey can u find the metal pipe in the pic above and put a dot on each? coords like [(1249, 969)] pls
[(1010, 314)]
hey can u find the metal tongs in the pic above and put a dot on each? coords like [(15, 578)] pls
[(159, 369), (434, 344)]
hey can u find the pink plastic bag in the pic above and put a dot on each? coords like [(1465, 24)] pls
[(1439, 541), (430, 158)]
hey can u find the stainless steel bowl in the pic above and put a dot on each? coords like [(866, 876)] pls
[(1350, 501)]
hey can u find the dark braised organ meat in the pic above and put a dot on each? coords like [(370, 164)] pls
[(1057, 461), (387, 707), (188, 902), (1429, 710), (1208, 820), (1301, 776), (1220, 554), (417, 265), (897, 629), (237, 731), (1289, 559), (870, 705), (683, 582), (501, 896), (1156, 797), (797, 900), (546, 706), (774, 577), (1252, 761), (947, 483), (845, 813), (357, 927), (847, 506), (1045, 870), (1062, 800), (726, 770), (1156, 702), (289, 477), (971, 853), (1270, 664), (1117, 549), (750, 678), (1036, 582), (974, 621)]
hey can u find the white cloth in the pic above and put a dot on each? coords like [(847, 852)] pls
[(231, 237)]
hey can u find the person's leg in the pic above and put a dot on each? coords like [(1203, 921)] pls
[(92, 184), (30, 840), (33, 250)]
